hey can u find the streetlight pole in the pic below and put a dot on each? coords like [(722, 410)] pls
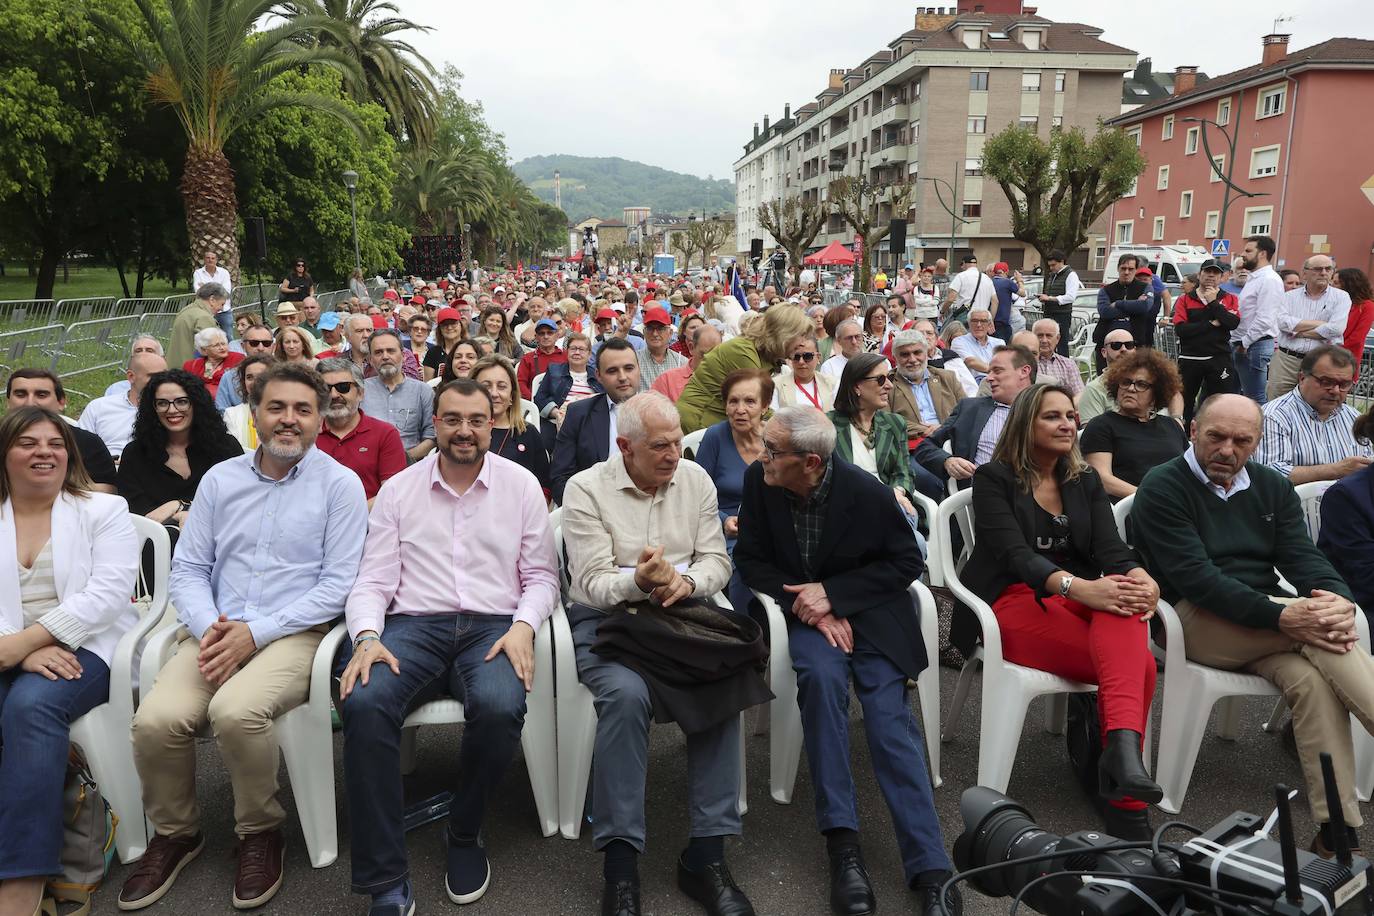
[(350, 180), (954, 218), (1230, 169)]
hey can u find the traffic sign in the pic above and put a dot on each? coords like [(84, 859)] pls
[(1221, 248)]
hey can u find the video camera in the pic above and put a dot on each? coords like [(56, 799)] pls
[(1232, 868)]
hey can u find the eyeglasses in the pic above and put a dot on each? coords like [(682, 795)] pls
[(1121, 345), (342, 387), (980, 321), (1136, 384), (1341, 384), (802, 357), (772, 453), (450, 421), (258, 343), (179, 404)]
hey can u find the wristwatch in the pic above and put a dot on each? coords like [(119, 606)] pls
[(1064, 585)]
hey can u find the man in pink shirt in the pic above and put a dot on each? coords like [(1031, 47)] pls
[(439, 609)]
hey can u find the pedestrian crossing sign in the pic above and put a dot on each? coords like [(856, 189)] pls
[(1221, 248)]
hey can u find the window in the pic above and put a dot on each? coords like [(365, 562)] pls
[(1057, 121), (865, 107), (1163, 183), (1224, 112), (978, 81), (1271, 101), (1134, 133), (1264, 162), (1259, 221), (1059, 81), (973, 209), (973, 168), (1213, 221), (1190, 141), (1135, 184), (1099, 257), (1031, 39), (1158, 233), (1030, 122), (978, 125), (915, 130), (1168, 131), (973, 38), (1124, 231), (1030, 81), (1185, 204), (1218, 169)]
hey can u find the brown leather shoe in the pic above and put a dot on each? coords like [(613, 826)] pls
[(158, 869), (261, 859)]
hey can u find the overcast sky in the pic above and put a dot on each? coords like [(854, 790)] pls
[(666, 85)]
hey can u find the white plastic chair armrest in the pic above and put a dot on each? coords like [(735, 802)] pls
[(322, 668), (156, 653)]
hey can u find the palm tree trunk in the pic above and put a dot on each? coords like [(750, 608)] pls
[(207, 192)]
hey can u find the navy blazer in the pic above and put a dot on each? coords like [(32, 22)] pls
[(964, 425), (866, 558), (1347, 533), (583, 440), (557, 382)]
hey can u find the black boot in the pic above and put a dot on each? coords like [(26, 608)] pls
[(1121, 771), (1133, 826)]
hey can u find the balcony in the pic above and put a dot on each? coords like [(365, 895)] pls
[(894, 113)]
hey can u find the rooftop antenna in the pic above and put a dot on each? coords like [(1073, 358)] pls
[(1280, 20)]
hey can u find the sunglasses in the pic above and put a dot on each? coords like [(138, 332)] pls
[(1121, 345), (342, 387), (804, 357), (258, 343)]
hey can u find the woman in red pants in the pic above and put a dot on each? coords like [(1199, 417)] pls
[(1069, 596)]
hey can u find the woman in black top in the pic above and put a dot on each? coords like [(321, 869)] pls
[(510, 437), (449, 330), (297, 285), (1122, 445), (1069, 596), (178, 436)]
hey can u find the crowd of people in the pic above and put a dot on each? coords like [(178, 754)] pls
[(393, 464)]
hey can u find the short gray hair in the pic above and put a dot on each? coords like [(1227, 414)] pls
[(632, 417), (853, 321), (207, 336), (341, 364), (210, 291), (808, 430), (138, 337), (908, 338)]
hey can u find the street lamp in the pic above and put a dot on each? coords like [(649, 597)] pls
[(954, 218), (463, 248), (350, 180), (1230, 167)]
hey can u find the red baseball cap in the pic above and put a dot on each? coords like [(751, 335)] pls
[(657, 315), (651, 285), (606, 315), (379, 322), (448, 315), (417, 300), (392, 294), (688, 313), (1144, 272), (1002, 266)]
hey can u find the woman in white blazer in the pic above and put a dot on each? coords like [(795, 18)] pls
[(68, 562)]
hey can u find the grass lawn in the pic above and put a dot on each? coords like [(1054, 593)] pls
[(84, 283)]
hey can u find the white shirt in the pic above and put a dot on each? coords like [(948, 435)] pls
[(1332, 308), (1261, 300), (864, 457), (611, 408), (112, 419), (965, 285), (1238, 483), (967, 345), (1072, 286), (220, 276), (835, 365)]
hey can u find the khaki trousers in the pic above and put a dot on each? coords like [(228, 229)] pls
[(1283, 375), (1322, 688), (239, 714)]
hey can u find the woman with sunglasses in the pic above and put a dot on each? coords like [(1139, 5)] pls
[(178, 437), (805, 385), (1069, 596), (868, 433), (1122, 445), (298, 284)]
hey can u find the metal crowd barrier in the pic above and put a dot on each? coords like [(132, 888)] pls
[(29, 346), (24, 311), (91, 346)]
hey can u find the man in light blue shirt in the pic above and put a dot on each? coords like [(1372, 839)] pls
[(265, 560), (977, 346)]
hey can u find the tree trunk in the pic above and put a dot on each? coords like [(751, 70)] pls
[(207, 192), (47, 272), (118, 260)]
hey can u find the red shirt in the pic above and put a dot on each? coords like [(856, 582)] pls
[(1357, 329), (372, 450), (534, 364)]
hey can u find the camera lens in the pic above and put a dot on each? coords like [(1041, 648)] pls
[(1000, 830)]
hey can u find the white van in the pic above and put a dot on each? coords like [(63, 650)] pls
[(1171, 263)]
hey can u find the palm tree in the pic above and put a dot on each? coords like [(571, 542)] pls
[(207, 62), (393, 73), (441, 189)]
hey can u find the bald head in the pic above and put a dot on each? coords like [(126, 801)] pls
[(1230, 408), (1226, 432), (1028, 340), (141, 366)]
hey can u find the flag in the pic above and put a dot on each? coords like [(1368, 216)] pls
[(737, 288)]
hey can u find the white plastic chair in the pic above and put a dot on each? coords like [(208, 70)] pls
[(103, 733), (577, 716), (785, 727), (531, 413), (1008, 688), (534, 385), (692, 442)]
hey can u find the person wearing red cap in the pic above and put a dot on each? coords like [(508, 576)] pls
[(657, 358)]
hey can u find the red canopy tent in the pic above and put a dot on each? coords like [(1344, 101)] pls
[(576, 256), (834, 253)]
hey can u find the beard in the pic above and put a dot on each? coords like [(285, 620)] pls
[(283, 451), (387, 371), (341, 414), (449, 453)]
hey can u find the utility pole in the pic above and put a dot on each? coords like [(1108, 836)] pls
[(954, 218), (1230, 169)]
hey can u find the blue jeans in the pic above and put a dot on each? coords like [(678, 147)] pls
[(894, 743), (620, 759), (225, 320), (36, 715), (1253, 368), (438, 655)]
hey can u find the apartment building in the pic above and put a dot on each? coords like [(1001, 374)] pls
[(1295, 147), (923, 107)]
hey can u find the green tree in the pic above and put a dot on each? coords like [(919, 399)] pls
[(708, 236), (860, 205), (207, 61), (1058, 188), (794, 224), (393, 73)]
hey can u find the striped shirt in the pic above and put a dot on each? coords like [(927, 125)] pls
[(1294, 436), (650, 369), (1332, 307), (38, 587), (992, 431), (1061, 369)]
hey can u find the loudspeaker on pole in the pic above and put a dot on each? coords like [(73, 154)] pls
[(255, 237), (896, 237), (755, 249)]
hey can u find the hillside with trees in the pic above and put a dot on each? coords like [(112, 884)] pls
[(605, 186)]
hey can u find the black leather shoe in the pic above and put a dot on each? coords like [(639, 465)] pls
[(1121, 771), (928, 901), (1133, 826), (620, 898), (851, 893), (714, 888)]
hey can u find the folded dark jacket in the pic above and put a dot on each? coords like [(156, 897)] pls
[(701, 664)]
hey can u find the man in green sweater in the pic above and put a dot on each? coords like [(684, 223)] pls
[(1213, 529)]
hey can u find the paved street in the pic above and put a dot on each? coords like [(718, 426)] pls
[(780, 861)]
